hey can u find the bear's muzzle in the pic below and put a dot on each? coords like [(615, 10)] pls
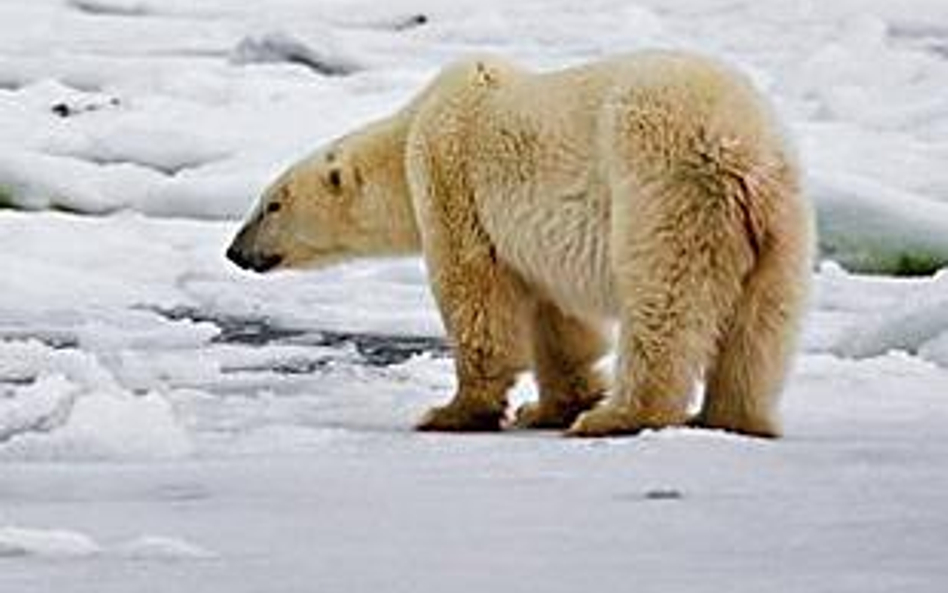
[(248, 258)]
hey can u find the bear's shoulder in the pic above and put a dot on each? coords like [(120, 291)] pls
[(462, 83), (478, 72)]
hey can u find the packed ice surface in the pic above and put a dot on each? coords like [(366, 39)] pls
[(168, 423)]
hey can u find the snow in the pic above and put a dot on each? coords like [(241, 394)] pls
[(168, 422), (158, 547), (918, 325), (50, 543), (53, 544)]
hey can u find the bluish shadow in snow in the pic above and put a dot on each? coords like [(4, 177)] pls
[(277, 46), (929, 37), (110, 7)]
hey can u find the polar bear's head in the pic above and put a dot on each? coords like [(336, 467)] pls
[(347, 200)]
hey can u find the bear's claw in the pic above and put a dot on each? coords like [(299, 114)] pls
[(456, 417), (613, 420), (603, 421)]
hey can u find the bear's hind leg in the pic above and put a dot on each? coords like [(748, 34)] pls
[(565, 350), (744, 382), (679, 256), (653, 389)]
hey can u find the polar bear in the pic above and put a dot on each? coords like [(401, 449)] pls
[(653, 189)]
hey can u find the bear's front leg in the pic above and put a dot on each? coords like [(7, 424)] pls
[(482, 305), (485, 308), (476, 407)]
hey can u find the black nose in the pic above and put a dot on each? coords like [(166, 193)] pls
[(237, 257), (258, 262)]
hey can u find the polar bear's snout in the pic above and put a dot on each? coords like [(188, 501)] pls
[(245, 255)]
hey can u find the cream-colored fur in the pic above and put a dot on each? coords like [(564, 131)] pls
[(652, 189)]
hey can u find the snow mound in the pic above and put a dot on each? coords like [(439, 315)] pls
[(157, 547), (63, 404), (46, 543), (166, 151), (936, 349), (58, 543), (39, 407), (917, 325), (36, 181)]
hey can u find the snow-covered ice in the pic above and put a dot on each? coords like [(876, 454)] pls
[(16, 541), (53, 544), (158, 547), (169, 423)]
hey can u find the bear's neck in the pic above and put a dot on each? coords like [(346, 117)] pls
[(383, 168)]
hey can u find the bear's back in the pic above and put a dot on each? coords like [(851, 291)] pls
[(535, 150)]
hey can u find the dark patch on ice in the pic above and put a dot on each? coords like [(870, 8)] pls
[(939, 48), (377, 349), (234, 329), (13, 82), (654, 494), (925, 36), (7, 201), (106, 8), (295, 366), (182, 493), (373, 348), (16, 382), (918, 30), (396, 23), (56, 340), (411, 22), (879, 261), (663, 494), (72, 209), (277, 47), (64, 109)]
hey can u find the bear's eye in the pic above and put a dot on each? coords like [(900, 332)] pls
[(273, 207), (335, 179)]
